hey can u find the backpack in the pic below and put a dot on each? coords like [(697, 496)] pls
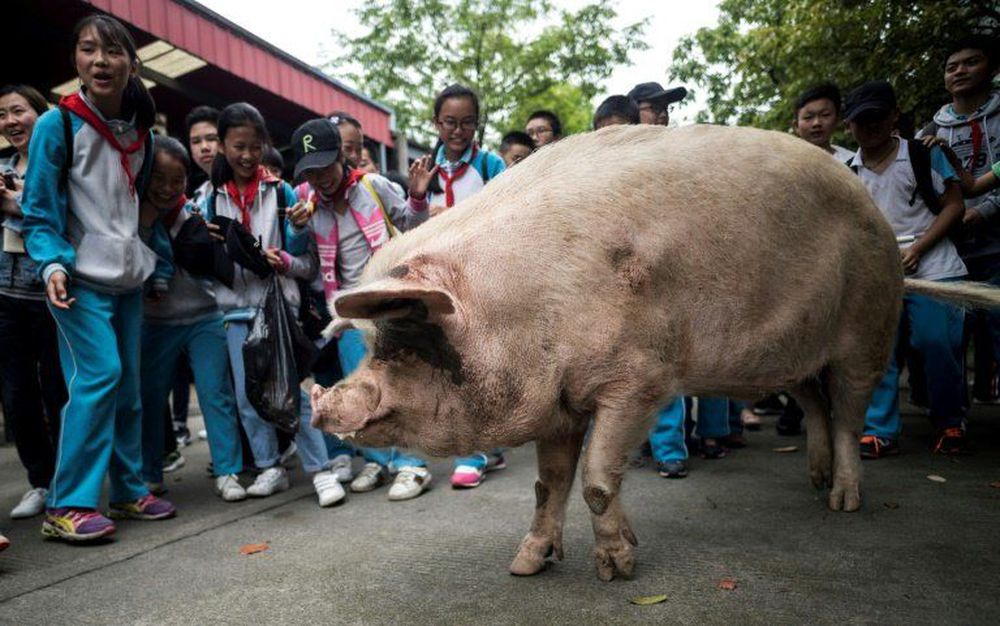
[(920, 161), (142, 181)]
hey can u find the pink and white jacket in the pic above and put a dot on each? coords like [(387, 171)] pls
[(405, 214)]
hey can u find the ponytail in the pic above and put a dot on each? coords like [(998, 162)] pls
[(222, 172), (139, 102)]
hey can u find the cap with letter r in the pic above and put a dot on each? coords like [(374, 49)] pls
[(315, 145)]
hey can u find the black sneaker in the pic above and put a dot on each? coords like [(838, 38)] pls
[(771, 405), (672, 469), (712, 451), (952, 441), (873, 447), (790, 421)]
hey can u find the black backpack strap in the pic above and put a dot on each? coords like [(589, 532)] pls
[(930, 130), (920, 161), (282, 211), (146, 173), (213, 204), (484, 169), (68, 140)]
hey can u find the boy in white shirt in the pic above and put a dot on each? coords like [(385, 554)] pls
[(918, 194)]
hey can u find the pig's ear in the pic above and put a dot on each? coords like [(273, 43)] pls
[(388, 299)]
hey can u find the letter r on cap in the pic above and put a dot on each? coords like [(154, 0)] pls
[(307, 144)]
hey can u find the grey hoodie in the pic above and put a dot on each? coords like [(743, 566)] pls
[(958, 131)]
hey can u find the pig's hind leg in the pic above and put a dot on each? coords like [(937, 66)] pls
[(850, 394), (557, 459), (615, 432), (819, 444)]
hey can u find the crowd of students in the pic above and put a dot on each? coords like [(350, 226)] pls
[(114, 296)]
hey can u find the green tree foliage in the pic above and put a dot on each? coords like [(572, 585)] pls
[(763, 53), (569, 102), (509, 51)]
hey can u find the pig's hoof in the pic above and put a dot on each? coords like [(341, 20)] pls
[(533, 552), (615, 558), (821, 469), (845, 497)]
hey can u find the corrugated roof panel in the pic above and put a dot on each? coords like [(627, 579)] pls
[(191, 30)]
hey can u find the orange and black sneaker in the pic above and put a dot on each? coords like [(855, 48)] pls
[(951, 441), (873, 447)]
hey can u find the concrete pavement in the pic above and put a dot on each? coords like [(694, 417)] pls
[(918, 552)]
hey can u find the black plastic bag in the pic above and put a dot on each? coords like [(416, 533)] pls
[(277, 356)]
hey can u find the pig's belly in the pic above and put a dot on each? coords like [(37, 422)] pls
[(769, 350)]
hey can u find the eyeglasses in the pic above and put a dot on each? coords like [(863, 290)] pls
[(535, 132), (451, 124)]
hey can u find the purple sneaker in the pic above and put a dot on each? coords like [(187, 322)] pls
[(72, 524), (149, 507)]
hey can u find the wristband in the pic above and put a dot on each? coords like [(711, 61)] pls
[(996, 169)]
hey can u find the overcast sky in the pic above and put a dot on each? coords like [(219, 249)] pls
[(302, 28)]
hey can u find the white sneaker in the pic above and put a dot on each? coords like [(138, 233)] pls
[(341, 468), (287, 459), (229, 489), (202, 434), (328, 488), (371, 476), (31, 504), (269, 482), (410, 482), (173, 462)]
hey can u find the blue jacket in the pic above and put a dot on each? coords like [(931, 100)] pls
[(90, 229)]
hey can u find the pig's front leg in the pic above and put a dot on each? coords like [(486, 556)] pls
[(614, 434), (557, 458)]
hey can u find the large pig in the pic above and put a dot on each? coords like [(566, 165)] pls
[(607, 273)]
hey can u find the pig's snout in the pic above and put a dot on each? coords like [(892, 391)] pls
[(345, 407)]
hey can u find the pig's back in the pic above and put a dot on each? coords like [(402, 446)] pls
[(725, 247)]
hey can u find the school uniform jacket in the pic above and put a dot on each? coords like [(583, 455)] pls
[(404, 214), (240, 302), (187, 299), (90, 229)]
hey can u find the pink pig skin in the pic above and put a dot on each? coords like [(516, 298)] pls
[(607, 273)]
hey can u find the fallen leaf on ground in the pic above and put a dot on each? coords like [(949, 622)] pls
[(647, 600), (786, 449), (727, 584), (936, 478), (254, 548), (891, 505), (995, 484)]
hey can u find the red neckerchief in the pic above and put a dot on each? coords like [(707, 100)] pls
[(171, 217), (449, 193), (244, 201), (76, 104), (977, 143), (352, 178)]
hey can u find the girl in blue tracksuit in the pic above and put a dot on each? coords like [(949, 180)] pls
[(460, 170), (81, 226), (183, 318), (248, 194)]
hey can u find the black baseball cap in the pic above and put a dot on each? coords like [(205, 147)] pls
[(646, 92), (315, 145), (875, 96)]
